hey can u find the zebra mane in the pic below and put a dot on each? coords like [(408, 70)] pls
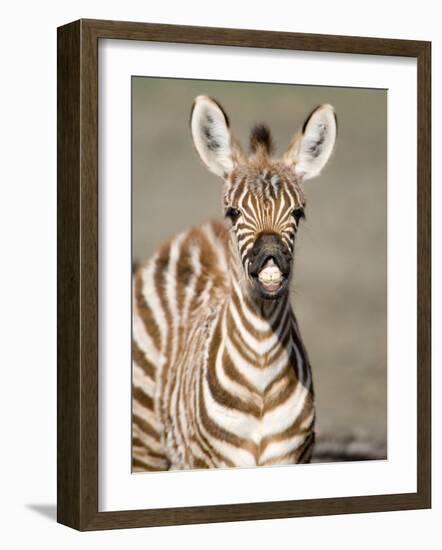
[(261, 139)]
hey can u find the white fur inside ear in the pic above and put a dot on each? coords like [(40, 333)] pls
[(211, 135), (316, 143)]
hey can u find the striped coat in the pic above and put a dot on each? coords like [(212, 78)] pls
[(221, 377)]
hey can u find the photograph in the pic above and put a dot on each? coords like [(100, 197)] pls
[(259, 274)]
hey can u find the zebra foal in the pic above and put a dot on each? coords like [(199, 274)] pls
[(220, 374)]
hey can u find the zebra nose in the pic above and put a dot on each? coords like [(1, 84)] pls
[(267, 244)]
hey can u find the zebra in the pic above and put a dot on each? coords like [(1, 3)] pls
[(221, 377)]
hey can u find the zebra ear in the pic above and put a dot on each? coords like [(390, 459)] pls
[(211, 135), (312, 147)]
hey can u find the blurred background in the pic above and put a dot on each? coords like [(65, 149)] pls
[(339, 289)]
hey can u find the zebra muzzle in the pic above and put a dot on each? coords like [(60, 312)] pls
[(270, 276), (270, 265)]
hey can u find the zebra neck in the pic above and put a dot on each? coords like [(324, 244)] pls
[(255, 332), (265, 313)]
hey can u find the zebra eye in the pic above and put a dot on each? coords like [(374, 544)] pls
[(232, 213), (298, 214)]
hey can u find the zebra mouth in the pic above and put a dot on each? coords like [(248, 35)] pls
[(270, 278)]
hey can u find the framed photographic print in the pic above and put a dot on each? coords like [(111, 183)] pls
[(243, 274)]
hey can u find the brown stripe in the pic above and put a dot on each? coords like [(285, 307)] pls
[(139, 395), (178, 432), (286, 458), (271, 401), (205, 448), (201, 241), (220, 433), (274, 327), (145, 426), (225, 398), (161, 267), (199, 463), (292, 430), (203, 442), (247, 326), (138, 445), (141, 360), (184, 272), (144, 311), (220, 394), (136, 442), (232, 372), (238, 190), (178, 427), (239, 344), (140, 466), (212, 454)]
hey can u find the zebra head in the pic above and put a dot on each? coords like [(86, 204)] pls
[(263, 195)]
